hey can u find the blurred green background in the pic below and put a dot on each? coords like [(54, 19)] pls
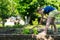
[(26, 9)]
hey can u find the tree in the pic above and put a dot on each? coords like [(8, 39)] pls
[(4, 10), (27, 8)]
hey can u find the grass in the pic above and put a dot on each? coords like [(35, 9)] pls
[(58, 26), (1, 25), (34, 26), (26, 29), (38, 26)]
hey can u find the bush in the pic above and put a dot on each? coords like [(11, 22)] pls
[(17, 26), (35, 31), (26, 31)]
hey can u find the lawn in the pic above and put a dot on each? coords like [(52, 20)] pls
[(28, 29)]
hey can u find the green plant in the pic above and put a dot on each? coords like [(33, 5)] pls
[(17, 26), (26, 31), (35, 31)]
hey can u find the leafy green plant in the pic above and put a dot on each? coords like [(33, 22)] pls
[(35, 22), (17, 26), (26, 31), (35, 31)]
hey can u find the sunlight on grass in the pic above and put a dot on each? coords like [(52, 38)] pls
[(34, 26), (30, 26), (38, 26), (1, 25), (58, 26)]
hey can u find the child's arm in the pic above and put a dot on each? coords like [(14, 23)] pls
[(42, 15)]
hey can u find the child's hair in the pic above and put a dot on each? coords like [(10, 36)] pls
[(39, 9)]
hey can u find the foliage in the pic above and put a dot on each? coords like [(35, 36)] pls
[(3, 9), (24, 8), (35, 22), (26, 31), (35, 31), (17, 26)]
